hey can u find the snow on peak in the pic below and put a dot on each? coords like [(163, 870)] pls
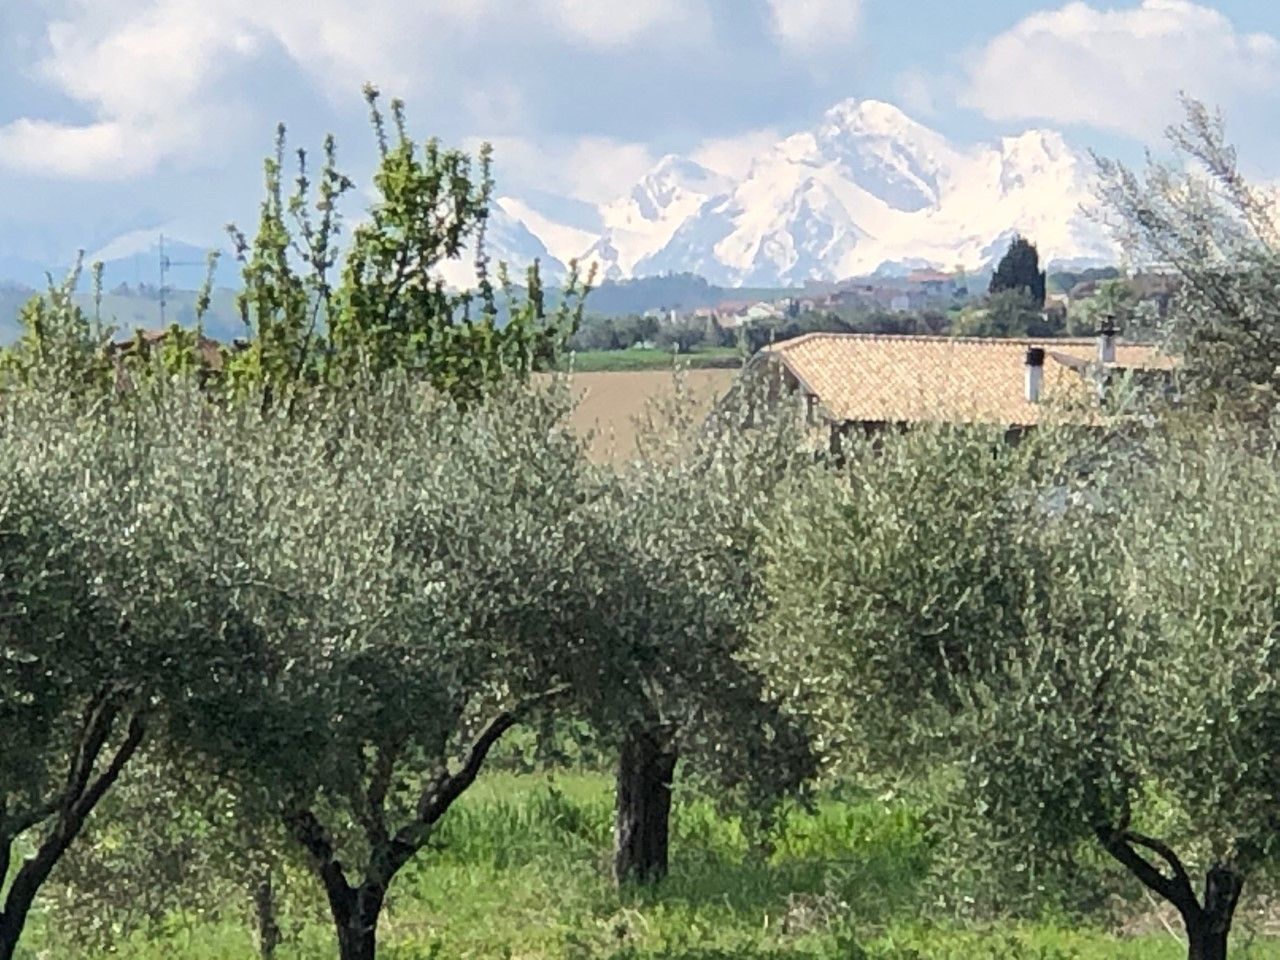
[(864, 186), (873, 115), (643, 221)]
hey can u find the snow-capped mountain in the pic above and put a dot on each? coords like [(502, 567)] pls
[(865, 187), (511, 240), (641, 224)]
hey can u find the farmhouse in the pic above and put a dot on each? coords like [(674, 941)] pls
[(849, 382), (210, 350)]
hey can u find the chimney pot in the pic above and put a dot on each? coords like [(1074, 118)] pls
[(1107, 341), (1035, 373)]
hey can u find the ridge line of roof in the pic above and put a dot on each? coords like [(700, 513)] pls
[(938, 338)]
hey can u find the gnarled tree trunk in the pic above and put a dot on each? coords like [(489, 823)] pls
[(81, 796), (1207, 919), (1209, 926), (355, 916), (642, 819)]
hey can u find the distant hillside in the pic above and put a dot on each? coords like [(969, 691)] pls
[(132, 309), (130, 306), (682, 291)]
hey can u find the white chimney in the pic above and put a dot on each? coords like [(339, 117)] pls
[(1035, 373), (1107, 341)]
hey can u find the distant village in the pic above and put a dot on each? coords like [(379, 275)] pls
[(917, 291)]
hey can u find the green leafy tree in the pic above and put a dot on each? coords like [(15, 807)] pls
[(1200, 218), (60, 346), (1019, 269), (1083, 642), (682, 335), (1116, 301), (1008, 313), (317, 313)]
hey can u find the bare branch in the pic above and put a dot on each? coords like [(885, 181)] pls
[(1164, 852)]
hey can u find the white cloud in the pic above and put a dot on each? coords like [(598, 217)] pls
[(145, 69), (103, 151), (805, 24), (611, 23), (1119, 70), (141, 77), (592, 169)]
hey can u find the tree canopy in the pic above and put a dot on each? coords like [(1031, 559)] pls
[(1019, 269), (1200, 219), (1083, 639)]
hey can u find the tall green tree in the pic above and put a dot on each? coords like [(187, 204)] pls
[(318, 313), (1019, 269)]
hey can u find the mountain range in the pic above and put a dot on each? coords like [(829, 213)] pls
[(867, 189)]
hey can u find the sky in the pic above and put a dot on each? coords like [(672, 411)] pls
[(138, 115)]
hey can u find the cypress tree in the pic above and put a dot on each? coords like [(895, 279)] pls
[(1019, 269)]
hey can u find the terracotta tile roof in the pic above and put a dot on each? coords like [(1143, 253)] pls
[(210, 350), (876, 378)]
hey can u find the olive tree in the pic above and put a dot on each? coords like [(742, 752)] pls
[(423, 560), (117, 606), (679, 527), (1083, 636)]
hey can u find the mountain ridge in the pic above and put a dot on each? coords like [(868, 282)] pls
[(863, 186)]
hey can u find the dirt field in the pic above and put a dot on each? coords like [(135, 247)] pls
[(611, 401)]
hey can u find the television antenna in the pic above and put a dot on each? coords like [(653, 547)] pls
[(165, 264)]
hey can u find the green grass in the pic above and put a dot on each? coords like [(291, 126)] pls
[(607, 360), (521, 872)]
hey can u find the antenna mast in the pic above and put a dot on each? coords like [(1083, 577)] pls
[(165, 264), (164, 272)]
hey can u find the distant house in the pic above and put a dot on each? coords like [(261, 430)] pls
[(864, 382), (734, 313), (210, 350)]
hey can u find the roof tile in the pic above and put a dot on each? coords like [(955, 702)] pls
[(877, 378)]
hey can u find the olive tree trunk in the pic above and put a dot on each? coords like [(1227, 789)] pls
[(356, 911), (1209, 926), (1207, 918), (642, 819)]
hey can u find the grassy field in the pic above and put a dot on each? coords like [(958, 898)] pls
[(607, 360), (522, 874), (611, 401)]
